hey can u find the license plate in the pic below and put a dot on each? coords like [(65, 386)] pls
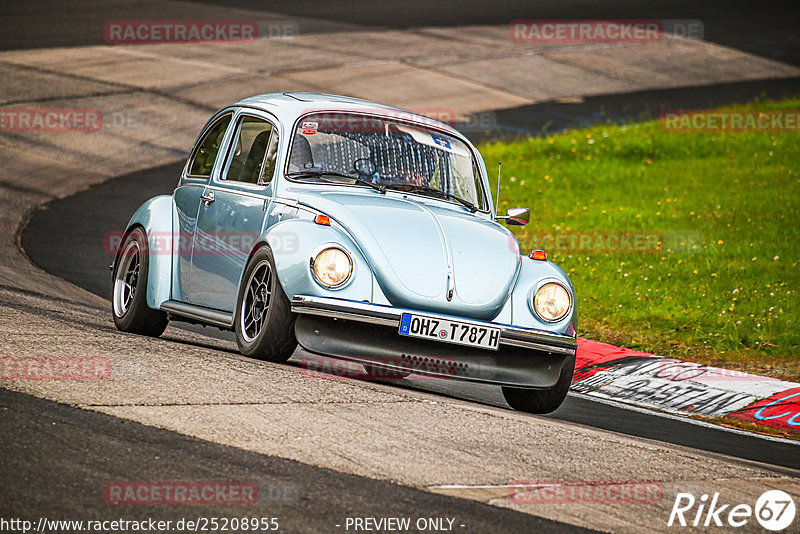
[(459, 332)]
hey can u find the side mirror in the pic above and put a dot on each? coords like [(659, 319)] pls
[(517, 217)]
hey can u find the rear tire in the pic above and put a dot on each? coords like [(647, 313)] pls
[(541, 401), (264, 322), (129, 293)]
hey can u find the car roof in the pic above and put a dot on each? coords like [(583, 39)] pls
[(288, 106)]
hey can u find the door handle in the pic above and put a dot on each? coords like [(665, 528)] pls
[(207, 197)]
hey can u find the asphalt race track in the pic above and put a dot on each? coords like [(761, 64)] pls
[(88, 450), (188, 407), (769, 30), (61, 240)]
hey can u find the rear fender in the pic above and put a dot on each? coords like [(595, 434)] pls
[(156, 216)]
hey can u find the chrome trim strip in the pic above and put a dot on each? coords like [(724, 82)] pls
[(450, 285), (198, 313), (389, 316), (293, 204), (233, 189)]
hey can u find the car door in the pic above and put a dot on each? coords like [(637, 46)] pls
[(231, 217), (202, 163)]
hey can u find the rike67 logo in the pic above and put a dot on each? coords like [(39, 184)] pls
[(774, 510)]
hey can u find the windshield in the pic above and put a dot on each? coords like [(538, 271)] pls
[(389, 154)]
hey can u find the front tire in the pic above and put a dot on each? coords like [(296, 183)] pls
[(264, 323), (541, 401), (129, 294)]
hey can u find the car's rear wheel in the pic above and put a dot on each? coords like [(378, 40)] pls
[(129, 294), (541, 400), (264, 322)]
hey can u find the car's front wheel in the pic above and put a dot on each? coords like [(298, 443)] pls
[(541, 400), (129, 294), (264, 323)]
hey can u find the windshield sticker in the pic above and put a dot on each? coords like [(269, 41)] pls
[(309, 128), (441, 141)]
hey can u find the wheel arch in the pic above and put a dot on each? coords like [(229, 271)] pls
[(296, 241), (157, 218)]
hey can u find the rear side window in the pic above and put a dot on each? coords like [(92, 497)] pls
[(253, 152), (206, 151)]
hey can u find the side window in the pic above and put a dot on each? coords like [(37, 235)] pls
[(205, 154), (253, 152)]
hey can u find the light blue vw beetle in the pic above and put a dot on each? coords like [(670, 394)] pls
[(360, 231)]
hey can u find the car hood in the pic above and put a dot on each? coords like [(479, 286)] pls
[(419, 251)]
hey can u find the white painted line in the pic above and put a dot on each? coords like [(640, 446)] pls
[(499, 486), (706, 424)]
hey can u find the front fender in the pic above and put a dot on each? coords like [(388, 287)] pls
[(532, 274), (156, 217), (295, 242)]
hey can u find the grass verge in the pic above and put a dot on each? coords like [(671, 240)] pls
[(717, 215)]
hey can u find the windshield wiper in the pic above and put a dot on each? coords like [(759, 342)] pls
[(323, 174), (408, 188)]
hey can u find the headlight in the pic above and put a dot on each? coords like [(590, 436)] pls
[(552, 302), (332, 267)]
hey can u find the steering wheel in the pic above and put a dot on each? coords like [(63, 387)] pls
[(365, 167)]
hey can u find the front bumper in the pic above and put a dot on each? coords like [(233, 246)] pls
[(390, 316), (368, 334)]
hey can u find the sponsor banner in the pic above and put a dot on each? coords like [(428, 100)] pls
[(593, 356), (676, 386), (781, 410), (679, 371), (677, 397), (731, 121)]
